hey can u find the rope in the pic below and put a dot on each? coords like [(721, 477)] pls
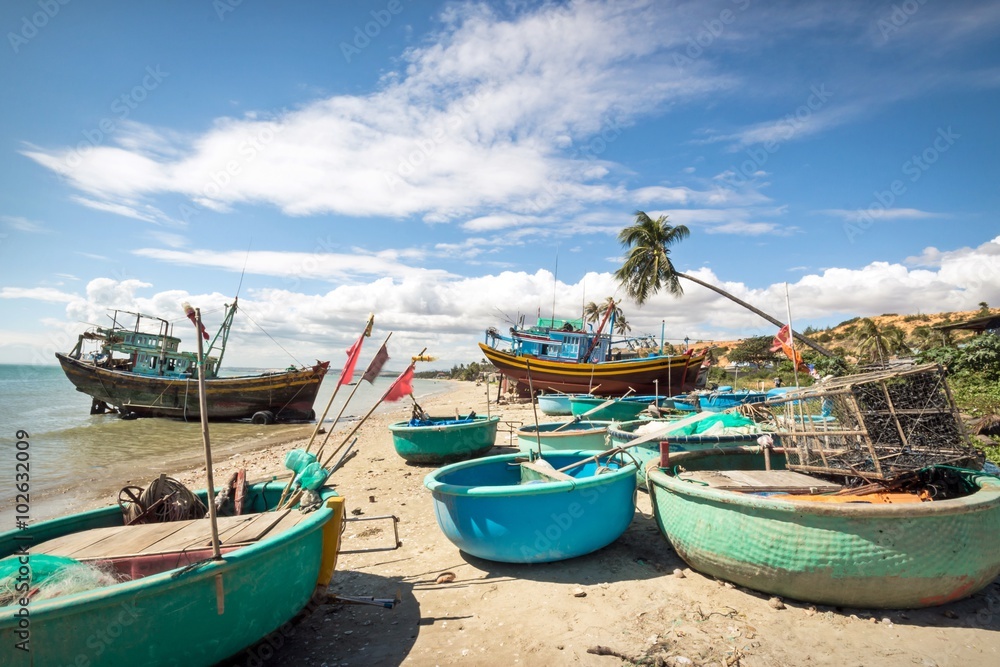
[(247, 315), (165, 499)]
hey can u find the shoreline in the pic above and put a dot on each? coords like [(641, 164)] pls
[(262, 456)]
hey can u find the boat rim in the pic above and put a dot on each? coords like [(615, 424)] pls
[(987, 495), (478, 420), (542, 488)]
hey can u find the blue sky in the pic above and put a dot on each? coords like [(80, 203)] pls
[(433, 162)]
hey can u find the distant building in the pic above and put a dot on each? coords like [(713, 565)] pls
[(987, 324)]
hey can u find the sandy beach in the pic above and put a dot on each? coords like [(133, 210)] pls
[(635, 600)]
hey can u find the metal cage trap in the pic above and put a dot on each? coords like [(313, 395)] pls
[(877, 426)]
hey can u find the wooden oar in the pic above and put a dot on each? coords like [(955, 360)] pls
[(603, 405)]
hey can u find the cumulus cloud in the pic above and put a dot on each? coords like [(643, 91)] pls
[(448, 314)]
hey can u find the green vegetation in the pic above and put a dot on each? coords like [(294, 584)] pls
[(755, 350), (471, 373)]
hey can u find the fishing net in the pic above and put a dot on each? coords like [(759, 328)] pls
[(165, 499), (49, 577)]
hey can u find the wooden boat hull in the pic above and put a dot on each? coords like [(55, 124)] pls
[(644, 376), (196, 615), (481, 507), (444, 443), (287, 395), (582, 436), (851, 555)]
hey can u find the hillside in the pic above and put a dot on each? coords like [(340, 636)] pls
[(843, 339)]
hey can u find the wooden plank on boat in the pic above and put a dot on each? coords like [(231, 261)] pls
[(198, 533), (255, 529), (532, 472), (765, 481), (130, 539), (67, 545)]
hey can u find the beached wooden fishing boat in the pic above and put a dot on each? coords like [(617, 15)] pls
[(852, 554), (179, 607), (495, 509), (141, 372), (561, 356), (583, 435), (444, 439)]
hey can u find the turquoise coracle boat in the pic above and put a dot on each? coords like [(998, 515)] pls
[(620, 435), (580, 436), (718, 401), (855, 554), (179, 607), (557, 405), (622, 409), (496, 509), (444, 439)]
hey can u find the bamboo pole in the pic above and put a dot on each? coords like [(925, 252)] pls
[(203, 409)]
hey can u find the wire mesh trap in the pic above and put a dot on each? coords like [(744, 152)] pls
[(877, 426)]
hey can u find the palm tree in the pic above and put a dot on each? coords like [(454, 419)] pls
[(594, 312), (647, 267), (879, 343)]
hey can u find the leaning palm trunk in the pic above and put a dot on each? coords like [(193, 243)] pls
[(816, 346)]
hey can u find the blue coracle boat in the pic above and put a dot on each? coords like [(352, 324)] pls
[(717, 401), (486, 510)]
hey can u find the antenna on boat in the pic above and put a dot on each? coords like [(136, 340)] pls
[(555, 284), (243, 273)]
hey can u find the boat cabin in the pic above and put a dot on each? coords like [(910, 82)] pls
[(561, 340)]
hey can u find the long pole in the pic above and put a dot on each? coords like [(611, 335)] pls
[(791, 338), (344, 407), (329, 404), (203, 409), (531, 391), (663, 328), (363, 420)]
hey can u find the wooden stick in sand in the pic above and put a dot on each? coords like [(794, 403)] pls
[(203, 409), (531, 390)]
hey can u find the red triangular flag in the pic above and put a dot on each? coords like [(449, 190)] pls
[(353, 353), (402, 386)]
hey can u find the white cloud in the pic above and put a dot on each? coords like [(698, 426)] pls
[(856, 215), (448, 314), (21, 224), (494, 114), (48, 294)]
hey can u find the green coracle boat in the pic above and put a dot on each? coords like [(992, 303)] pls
[(444, 439), (610, 409), (186, 609), (851, 555), (580, 436)]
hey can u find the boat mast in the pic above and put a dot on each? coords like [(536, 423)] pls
[(223, 333)]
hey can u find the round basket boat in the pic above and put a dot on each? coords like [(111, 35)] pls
[(581, 436), (483, 507), (444, 439), (557, 405), (619, 410), (894, 556), (620, 435)]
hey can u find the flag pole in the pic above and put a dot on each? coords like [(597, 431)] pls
[(203, 409), (329, 404), (791, 337), (344, 407), (365, 418)]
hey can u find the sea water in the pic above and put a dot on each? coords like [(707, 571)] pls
[(69, 449)]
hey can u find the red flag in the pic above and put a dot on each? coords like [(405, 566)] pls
[(783, 342), (353, 353), (189, 311), (402, 386), (375, 367)]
